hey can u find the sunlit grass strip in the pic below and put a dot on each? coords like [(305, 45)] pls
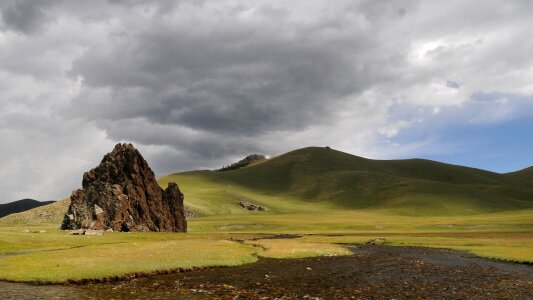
[(101, 261), (296, 248)]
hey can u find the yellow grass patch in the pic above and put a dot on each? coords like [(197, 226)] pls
[(296, 248)]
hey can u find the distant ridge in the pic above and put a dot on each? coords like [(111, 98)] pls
[(524, 175), (21, 206)]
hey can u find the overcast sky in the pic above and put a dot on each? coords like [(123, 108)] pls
[(198, 84)]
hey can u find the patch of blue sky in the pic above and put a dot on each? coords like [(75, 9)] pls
[(494, 131)]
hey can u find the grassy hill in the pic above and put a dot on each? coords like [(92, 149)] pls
[(332, 178), (523, 175), (46, 214)]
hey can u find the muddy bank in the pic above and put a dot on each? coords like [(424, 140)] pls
[(373, 272)]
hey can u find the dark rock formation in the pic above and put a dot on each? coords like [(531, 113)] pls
[(251, 206), (252, 158), (243, 162), (122, 194)]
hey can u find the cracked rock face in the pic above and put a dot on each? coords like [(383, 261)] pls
[(122, 194)]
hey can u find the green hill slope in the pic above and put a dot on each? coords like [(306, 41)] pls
[(332, 178), (20, 206), (524, 175), (47, 214)]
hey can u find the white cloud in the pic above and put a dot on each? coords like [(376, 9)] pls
[(46, 156)]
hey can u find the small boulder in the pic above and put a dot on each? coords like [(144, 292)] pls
[(76, 232), (86, 232), (94, 232)]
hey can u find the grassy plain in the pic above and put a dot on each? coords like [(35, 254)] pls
[(445, 210), (42, 253)]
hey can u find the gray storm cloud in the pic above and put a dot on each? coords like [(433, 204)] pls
[(247, 78), (196, 84)]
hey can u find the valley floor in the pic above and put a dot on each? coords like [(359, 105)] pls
[(371, 272), (37, 253)]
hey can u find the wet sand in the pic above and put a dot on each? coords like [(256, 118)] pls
[(372, 272)]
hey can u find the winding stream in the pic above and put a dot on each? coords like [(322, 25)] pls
[(372, 272)]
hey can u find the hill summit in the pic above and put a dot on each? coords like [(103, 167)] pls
[(122, 194)]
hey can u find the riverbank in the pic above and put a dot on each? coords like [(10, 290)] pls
[(46, 255), (376, 272)]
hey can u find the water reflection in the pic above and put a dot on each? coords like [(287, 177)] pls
[(143, 288)]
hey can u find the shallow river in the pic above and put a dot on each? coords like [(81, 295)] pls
[(372, 272), (95, 291)]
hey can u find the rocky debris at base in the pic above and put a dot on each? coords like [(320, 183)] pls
[(252, 207), (189, 213), (122, 194), (376, 242)]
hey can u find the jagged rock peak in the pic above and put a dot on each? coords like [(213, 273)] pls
[(122, 194)]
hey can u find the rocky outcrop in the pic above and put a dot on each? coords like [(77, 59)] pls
[(252, 207), (190, 213), (122, 194), (250, 159)]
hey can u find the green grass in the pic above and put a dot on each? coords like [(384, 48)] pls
[(328, 197), (62, 258)]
